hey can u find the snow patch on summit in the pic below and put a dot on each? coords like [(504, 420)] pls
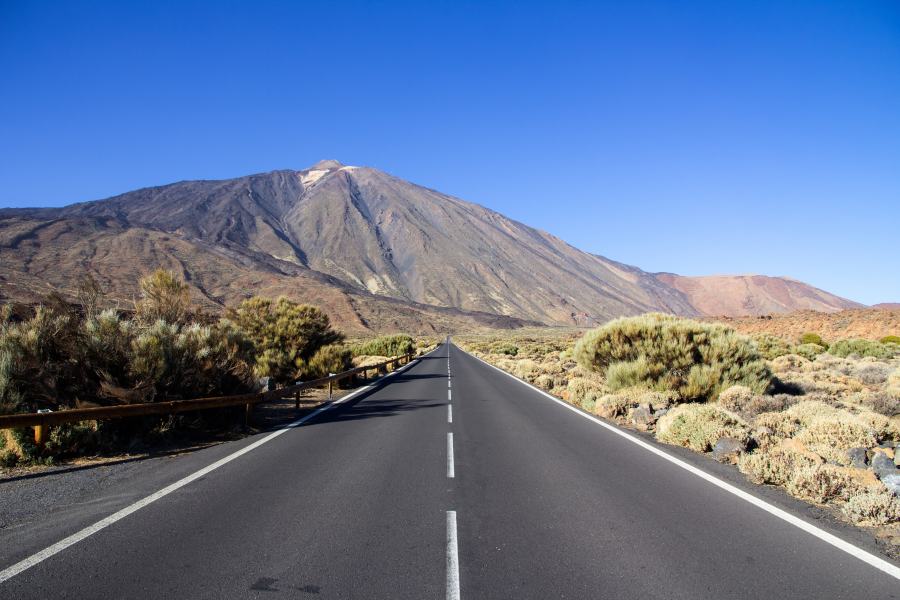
[(313, 176)]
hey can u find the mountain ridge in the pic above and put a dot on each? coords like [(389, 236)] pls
[(383, 237)]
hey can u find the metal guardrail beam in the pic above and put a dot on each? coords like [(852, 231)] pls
[(42, 421)]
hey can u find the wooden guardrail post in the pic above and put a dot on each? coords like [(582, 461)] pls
[(41, 433), (42, 429), (248, 414)]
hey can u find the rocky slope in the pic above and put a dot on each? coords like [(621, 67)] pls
[(354, 239)]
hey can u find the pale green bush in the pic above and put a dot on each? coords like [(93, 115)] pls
[(736, 398), (164, 297), (663, 352), (873, 373), (791, 363), (699, 426), (809, 351), (832, 437), (584, 392), (873, 507), (35, 370), (783, 425), (860, 347), (824, 483), (771, 346), (774, 465)]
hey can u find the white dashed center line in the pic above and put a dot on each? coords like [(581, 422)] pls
[(451, 471), (452, 558)]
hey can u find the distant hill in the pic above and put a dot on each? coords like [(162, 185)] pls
[(869, 323), (886, 305), (736, 295), (374, 250)]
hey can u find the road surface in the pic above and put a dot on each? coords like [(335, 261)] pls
[(449, 480)]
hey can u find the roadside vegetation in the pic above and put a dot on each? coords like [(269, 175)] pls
[(65, 356), (819, 418)]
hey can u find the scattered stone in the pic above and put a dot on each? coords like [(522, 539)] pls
[(893, 483), (857, 457), (642, 417), (727, 449), (883, 466), (660, 412)]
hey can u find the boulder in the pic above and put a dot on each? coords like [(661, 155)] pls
[(857, 457), (728, 449), (893, 483), (883, 466), (642, 417)]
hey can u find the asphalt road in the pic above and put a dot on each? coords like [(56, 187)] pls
[(373, 499)]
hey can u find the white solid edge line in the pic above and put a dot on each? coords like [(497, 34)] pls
[(452, 558), (73, 539), (863, 555), (451, 470), (449, 413)]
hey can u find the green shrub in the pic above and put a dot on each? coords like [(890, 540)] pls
[(164, 296), (771, 347), (72, 439), (813, 338), (890, 339), (386, 345), (860, 347), (809, 351), (507, 349), (663, 352), (333, 358), (36, 369), (285, 334), (170, 361)]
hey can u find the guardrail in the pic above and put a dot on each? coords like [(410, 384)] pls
[(44, 420)]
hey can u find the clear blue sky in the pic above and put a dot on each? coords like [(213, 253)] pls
[(694, 137)]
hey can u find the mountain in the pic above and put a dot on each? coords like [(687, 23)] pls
[(739, 295), (358, 241)]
